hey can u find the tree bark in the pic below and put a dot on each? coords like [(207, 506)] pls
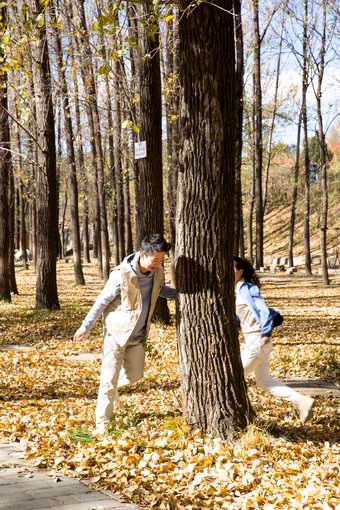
[(272, 120), (71, 159), (213, 387), (149, 198), (323, 163), (22, 202), (23, 226), (11, 207), (33, 205), (5, 162), (33, 165), (83, 177), (96, 145), (127, 201), (238, 126), (306, 237), (294, 196), (46, 181), (258, 137), (171, 124), (252, 179), (118, 162), (114, 222)]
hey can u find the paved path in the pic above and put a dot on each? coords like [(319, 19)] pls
[(25, 487)]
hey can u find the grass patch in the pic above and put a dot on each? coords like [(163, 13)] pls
[(82, 435)]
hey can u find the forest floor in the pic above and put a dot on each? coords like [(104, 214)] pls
[(276, 228), (49, 385)]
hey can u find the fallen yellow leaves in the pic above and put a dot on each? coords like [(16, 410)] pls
[(151, 456)]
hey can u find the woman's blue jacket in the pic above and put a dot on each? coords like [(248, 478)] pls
[(263, 315)]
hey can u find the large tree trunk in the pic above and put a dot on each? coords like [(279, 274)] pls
[(46, 181), (213, 387), (71, 159), (5, 161), (149, 199)]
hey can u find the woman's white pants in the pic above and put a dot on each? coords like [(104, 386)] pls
[(120, 366), (255, 358)]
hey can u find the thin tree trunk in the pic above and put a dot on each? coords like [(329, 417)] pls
[(258, 137), (74, 213), (149, 199), (170, 119), (323, 226), (114, 222), (16, 226), (213, 386), (252, 180), (238, 126), (127, 204), (32, 205), (23, 226), (306, 154), (5, 162), (11, 195), (59, 184), (272, 120), (294, 196), (133, 114), (96, 144), (118, 161), (22, 205), (83, 178), (63, 217)]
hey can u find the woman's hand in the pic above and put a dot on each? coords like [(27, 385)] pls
[(265, 340)]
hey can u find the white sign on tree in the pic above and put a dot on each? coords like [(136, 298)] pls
[(140, 150)]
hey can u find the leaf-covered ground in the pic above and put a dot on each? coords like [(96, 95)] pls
[(151, 457)]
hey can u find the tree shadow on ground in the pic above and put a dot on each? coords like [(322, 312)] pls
[(300, 434)]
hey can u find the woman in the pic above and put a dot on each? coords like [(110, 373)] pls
[(256, 321)]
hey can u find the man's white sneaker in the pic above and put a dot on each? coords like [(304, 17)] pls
[(306, 408)]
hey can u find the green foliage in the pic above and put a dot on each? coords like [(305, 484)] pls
[(314, 151), (124, 422), (82, 435)]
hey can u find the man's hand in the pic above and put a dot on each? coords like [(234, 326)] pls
[(79, 336), (265, 340)]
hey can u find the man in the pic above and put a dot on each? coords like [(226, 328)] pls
[(127, 303)]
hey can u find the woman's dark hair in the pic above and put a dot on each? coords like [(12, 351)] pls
[(154, 242), (249, 273)]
